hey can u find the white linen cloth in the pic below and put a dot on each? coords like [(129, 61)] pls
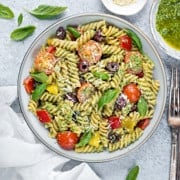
[(22, 157)]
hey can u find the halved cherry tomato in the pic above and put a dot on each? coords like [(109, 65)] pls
[(91, 52), (45, 62), (143, 123), (51, 49), (132, 92), (43, 116), (130, 54), (84, 92), (134, 59), (125, 42), (114, 122), (67, 139), (29, 84)]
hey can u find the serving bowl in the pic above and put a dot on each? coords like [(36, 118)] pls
[(158, 38), (42, 134), (126, 10)]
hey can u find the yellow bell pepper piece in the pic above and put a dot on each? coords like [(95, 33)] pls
[(95, 140), (53, 89), (129, 124)]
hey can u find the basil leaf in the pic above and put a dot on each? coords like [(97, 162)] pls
[(107, 97), (40, 77), (37, 93), (133, 173), (20, 19), (142, 106), (47, 12), (74, 32), (135, 38), (85, 138), (22, 33), (6, 12), (101, 75)]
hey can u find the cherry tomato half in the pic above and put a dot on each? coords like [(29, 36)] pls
[(84, 92), (114, 122), (45, 62), (134, 59), (132, 92), (125, 42), (29, 84), (67, 139), (130, 54), (91, 52), (43, 116), (143, 123)]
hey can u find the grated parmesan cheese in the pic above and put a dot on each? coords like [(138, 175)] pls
[(123, 2)]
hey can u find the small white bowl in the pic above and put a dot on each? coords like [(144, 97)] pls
[(127, 10)]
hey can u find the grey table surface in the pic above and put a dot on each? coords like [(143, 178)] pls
[(154, 156)]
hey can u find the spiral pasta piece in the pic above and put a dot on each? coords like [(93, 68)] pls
[(32, 106), (112, 41), (85, 37), (51, 108), (62, 123), (53, 129), (65, 44), (94, 25), (103, 131), (112, 31), (51, 97), (95, 120), (106, 49)]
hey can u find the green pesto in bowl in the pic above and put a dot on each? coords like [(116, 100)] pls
[(168, 22)]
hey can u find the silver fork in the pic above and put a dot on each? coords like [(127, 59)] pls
[(174, 122)]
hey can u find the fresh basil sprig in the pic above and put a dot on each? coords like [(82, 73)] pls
[(133, 173), (39, 90), (20, 19), (135, 38), (6, 12), (22, 33), (142, 106), (40, 77), (47, 11), (107, 97), (101, 75), (84, 140)]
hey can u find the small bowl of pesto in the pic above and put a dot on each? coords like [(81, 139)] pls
[(165, 26)]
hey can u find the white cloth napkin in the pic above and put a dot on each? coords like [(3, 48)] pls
[(22, 157)]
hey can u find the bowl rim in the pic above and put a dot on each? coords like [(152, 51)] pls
[(157, 36), (127, 10), (20, 98)]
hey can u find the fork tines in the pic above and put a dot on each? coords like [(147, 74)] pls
[(174, 99)]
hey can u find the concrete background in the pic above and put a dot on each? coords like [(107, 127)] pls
[(154, 156)]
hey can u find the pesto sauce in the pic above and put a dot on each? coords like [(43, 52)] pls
[(168, 22)]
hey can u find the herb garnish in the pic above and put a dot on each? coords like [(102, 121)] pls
[(47, 11)]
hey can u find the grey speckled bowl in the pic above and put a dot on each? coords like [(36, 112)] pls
[(42, 134)]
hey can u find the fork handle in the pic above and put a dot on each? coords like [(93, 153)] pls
[(173, 162)]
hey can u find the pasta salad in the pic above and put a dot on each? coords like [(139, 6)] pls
[(92, 87)]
